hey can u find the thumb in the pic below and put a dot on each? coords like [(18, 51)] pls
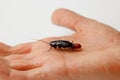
[(69, 19)]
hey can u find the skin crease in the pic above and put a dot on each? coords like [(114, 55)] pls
[(98, 59)]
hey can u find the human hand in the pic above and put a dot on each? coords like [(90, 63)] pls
[(98, 59)]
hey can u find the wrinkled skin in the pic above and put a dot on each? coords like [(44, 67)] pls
[(98, 59)]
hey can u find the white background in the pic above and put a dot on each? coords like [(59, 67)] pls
[(25, 20)]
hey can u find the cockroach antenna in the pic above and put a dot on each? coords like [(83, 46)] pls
[(41, 41), (44, 42)]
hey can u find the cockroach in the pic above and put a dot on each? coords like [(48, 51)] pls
[(61, 44)]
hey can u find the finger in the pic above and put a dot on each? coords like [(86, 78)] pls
[(21, 49), (16, 60), (4, 49), (15, 57), (21, 65), (26, 63), (69, 19)]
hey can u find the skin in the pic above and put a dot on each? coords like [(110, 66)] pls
[(98, 59)]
